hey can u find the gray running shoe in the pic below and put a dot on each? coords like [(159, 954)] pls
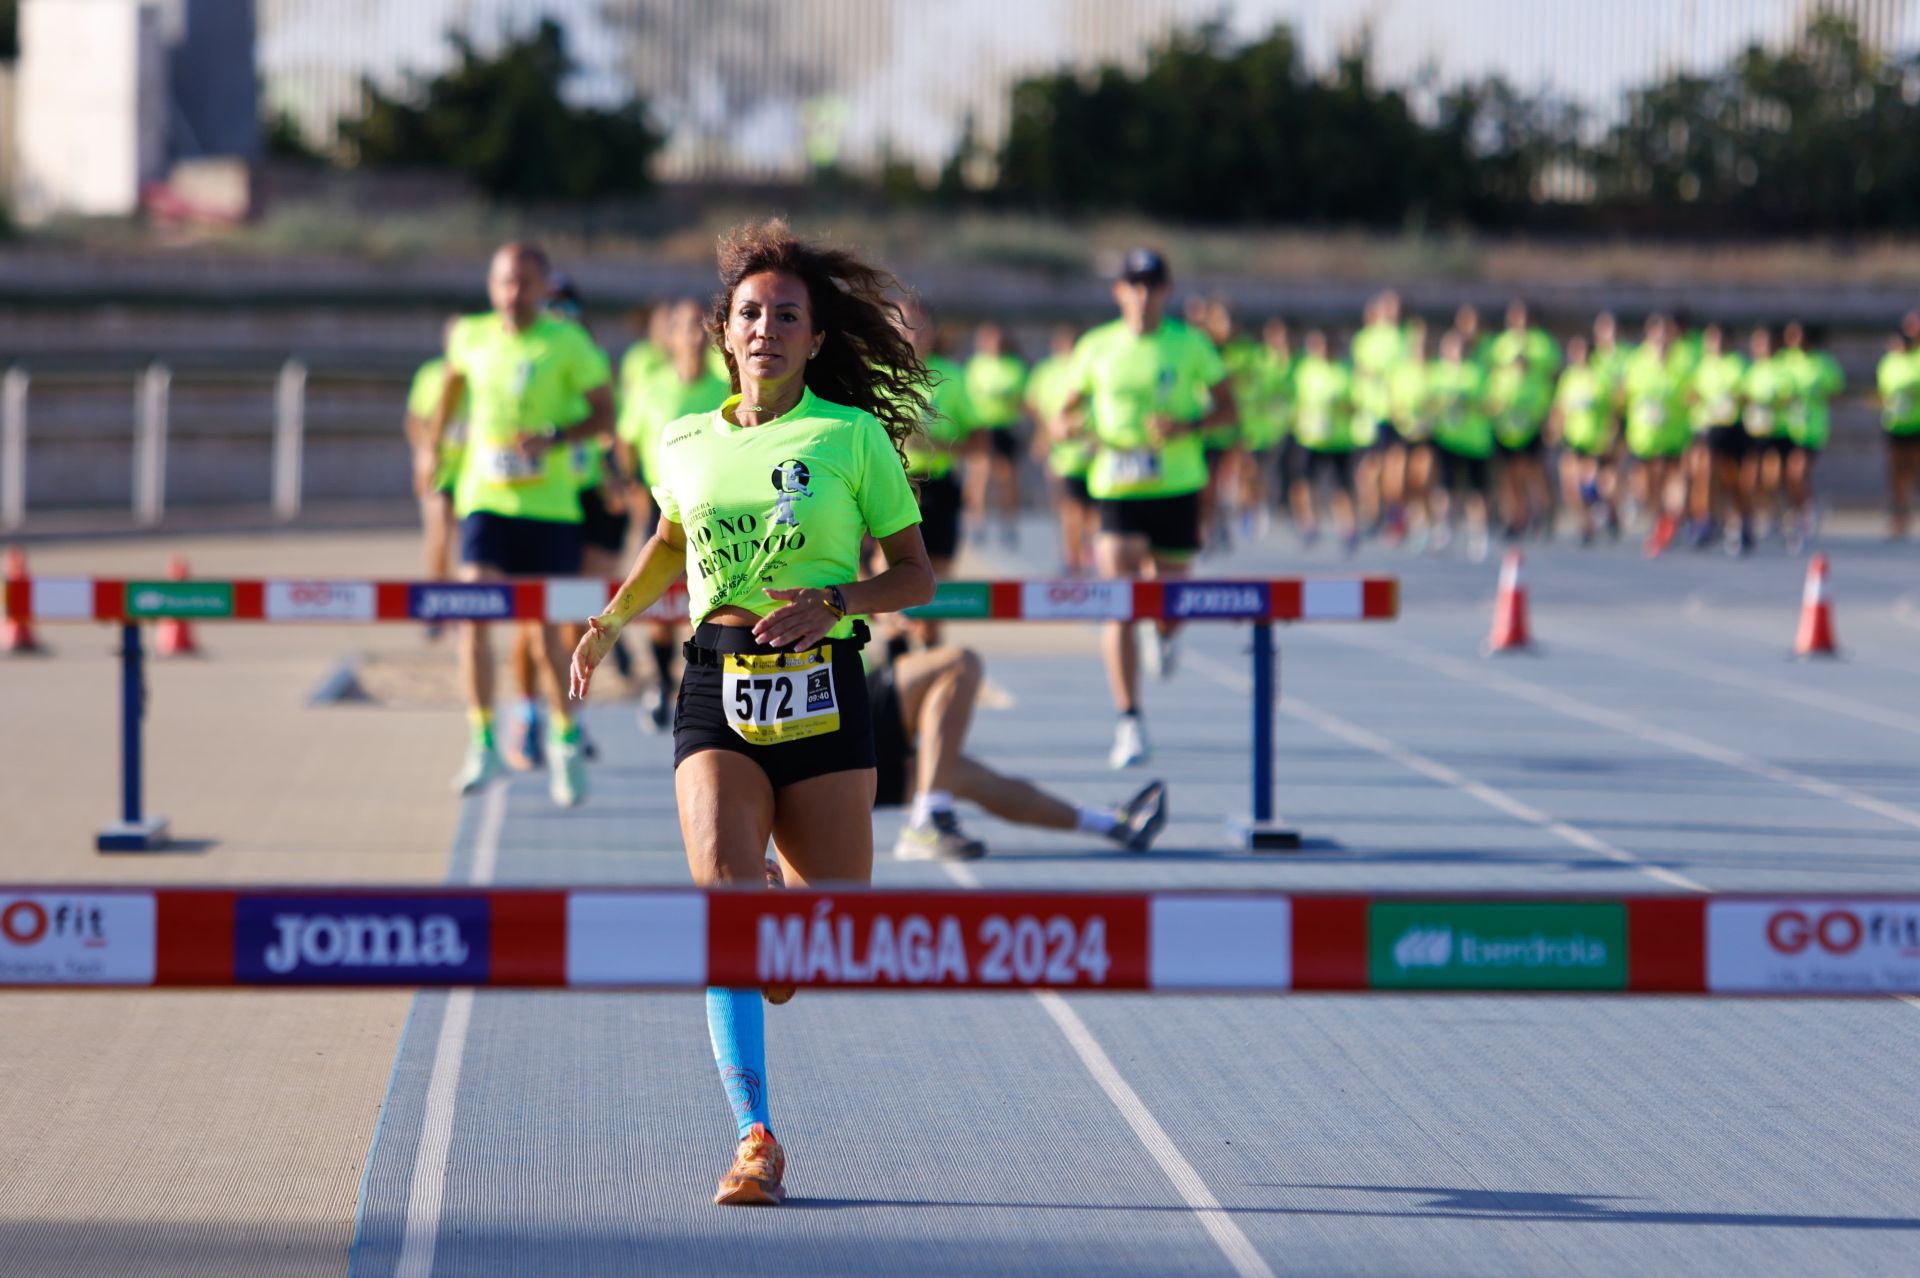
[(481, 767), (941, 839), (566, 773), (1141, 818)]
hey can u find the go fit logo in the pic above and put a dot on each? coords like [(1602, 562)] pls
[(1842, 931), (28, 921)]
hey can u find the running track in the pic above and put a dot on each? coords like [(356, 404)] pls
[(1661, 742)]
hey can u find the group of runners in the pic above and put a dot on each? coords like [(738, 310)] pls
[(1708, 435), (790, 450)]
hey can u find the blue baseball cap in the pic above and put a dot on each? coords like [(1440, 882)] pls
[(1143, 266)]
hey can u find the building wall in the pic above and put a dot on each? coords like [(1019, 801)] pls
[(91, 97)]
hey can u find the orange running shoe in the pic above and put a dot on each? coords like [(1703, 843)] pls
[(776, 994), (759, 1165)]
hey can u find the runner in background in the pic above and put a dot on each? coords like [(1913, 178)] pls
[(436, 502), (1266, 425), (1715, 395), (523, 374), (1406, 476), (678, 381), (932, 453), (1657, 434), (995, 380), (1768, 392), (1586, 427), (1518, 399), (1815, 377), (1146, 385), (1067, 455), (1376, 351), (922, 708), (1463, 438), (1526, 498), (1898, 380), (1323, 429), (1212, 316)]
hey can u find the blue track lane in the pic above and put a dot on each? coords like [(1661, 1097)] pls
[(1341, 1135)]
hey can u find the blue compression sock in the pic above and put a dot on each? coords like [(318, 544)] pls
[(737, 1023)]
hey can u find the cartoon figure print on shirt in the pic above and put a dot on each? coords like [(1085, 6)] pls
[(790, 480)]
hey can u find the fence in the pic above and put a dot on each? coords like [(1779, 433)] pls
[(150, 437)]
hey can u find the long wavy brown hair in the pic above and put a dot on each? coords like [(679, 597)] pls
[(866, 361)]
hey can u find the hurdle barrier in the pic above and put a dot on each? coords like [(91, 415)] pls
[(861, 938), (1262, 604)]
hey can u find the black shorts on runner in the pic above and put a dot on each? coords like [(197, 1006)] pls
[(600, 527), (940, 516), (1075, 487), (1313, 464), (1760, 445), (1460, 471), (521, 547), (700, 720), (1171, 525), (1729, 442), (1532, 448), (1002, 442), (892, 751)]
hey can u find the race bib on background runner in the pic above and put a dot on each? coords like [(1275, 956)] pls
[(1130, 470), (509, 466), (780, 696)]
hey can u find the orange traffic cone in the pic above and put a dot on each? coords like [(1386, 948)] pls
[(1816, 615), (16, 627), (1510, 610), (173, 637)]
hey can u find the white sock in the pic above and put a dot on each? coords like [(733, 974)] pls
[(925, 805), (1094, 820)]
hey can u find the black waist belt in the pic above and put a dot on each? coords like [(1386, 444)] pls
[(720, 640)]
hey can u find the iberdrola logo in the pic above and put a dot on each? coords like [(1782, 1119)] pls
[(790, 480)]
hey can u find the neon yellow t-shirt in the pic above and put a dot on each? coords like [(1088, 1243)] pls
[(1377, 350), (1898, 380), (1585, 401), (943, 424), (994, 386), (1656, 418), (1049, 387), (1816, 377), (780, 505), (1460, 422), (1716, 390), (659, 397), (423, 401), (528, 382), (1323, 405), (1127, 379), (1769, 391)]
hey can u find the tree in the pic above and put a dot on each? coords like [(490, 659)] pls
[(503, 122)]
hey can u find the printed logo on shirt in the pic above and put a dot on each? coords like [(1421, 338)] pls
[(790, 480)]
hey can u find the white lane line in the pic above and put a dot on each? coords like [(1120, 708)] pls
[(436, 1136), (1912, 1000), (1215, 1219), (1433, 769), (427, 1186), (1831, 702), (1685, 743)]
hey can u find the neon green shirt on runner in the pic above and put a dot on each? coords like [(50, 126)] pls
[(1518, 400), (994, 387), (1127, 379), (1816, 378), (423, 401), (1585, 402), (1768, 393), (1049, 387), (1656, 421), (1378, 349), (528, 382), (1410, 392), (658, 398), (1898, 378), (1717, 380), (1323, 405), (1263, 396), (780, 505), (1460, 421), (945, 423)]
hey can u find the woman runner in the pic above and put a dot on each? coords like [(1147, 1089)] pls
[(764, 504)]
